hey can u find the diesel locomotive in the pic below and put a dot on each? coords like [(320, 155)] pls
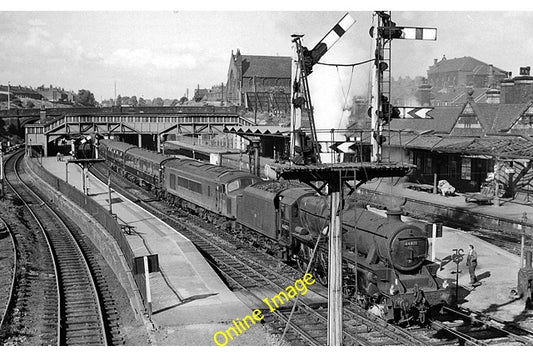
[(286, 218)]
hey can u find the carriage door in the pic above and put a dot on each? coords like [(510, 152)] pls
[(217, 198)]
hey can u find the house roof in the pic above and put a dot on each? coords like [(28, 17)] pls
[(444, 118), (459, 96), (464, 64), (507, 116), (266, 66)]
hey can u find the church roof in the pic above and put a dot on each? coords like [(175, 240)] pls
[(266, 66)]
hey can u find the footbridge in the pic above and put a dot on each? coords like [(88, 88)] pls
[(146, 129)]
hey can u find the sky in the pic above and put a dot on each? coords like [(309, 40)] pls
[(164, 52)]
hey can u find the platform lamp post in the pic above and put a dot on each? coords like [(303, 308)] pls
[(8, 95)]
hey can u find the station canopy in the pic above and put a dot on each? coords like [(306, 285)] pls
[(512, 147)]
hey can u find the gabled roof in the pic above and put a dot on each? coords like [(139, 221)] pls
[(506, 116), (444, 118), (464, 64), (266, 66)]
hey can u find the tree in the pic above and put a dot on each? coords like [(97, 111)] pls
[(174, 102), (183, 100), (157, 102), (85, 98), (119, 100), (141, 102), (133, 101)]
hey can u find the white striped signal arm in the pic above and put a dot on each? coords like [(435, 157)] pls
[(419, 33), (337, 31)]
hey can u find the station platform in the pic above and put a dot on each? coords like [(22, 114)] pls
[(497, 269), (508, 209), (189, 301)]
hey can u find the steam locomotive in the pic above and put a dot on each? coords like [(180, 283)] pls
[(287, 218)]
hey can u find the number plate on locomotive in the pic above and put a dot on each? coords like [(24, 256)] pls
[(411, 243)]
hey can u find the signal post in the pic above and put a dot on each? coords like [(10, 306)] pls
[(382, 111)]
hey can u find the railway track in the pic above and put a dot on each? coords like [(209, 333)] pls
[(361, 328), (62, 286), (250, 271), (8, 267)]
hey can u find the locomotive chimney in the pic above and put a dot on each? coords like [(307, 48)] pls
[(394, 215)]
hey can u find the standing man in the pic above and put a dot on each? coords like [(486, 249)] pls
[(471, 262)]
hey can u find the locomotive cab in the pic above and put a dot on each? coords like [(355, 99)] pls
[(231, 190)]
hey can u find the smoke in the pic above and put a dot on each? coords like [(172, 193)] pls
[(332, 99)]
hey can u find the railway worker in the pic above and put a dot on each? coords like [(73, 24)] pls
[(471, 262)]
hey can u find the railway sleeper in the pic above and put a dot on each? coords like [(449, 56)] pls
[(87, 321)]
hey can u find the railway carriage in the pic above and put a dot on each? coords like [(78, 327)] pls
[(113, 152), (144, 166)]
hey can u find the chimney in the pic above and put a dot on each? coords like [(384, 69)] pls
[(424, 93), (493, 96), (394, 215), (523, 86), (491, 76), (435, 61)]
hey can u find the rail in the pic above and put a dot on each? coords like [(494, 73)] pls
[(13, 277), (100, 214), (52, 254)]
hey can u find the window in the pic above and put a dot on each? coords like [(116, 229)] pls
[(234, 186), (466, 168), (427, 168)]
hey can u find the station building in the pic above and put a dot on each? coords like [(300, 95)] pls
[(466, 143)]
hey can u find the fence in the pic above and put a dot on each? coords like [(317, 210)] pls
[(97, 212)]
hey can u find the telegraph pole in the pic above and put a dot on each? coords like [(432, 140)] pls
[(8, 95)]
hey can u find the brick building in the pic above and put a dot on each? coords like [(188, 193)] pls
[(261, 83), (449, 79)]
